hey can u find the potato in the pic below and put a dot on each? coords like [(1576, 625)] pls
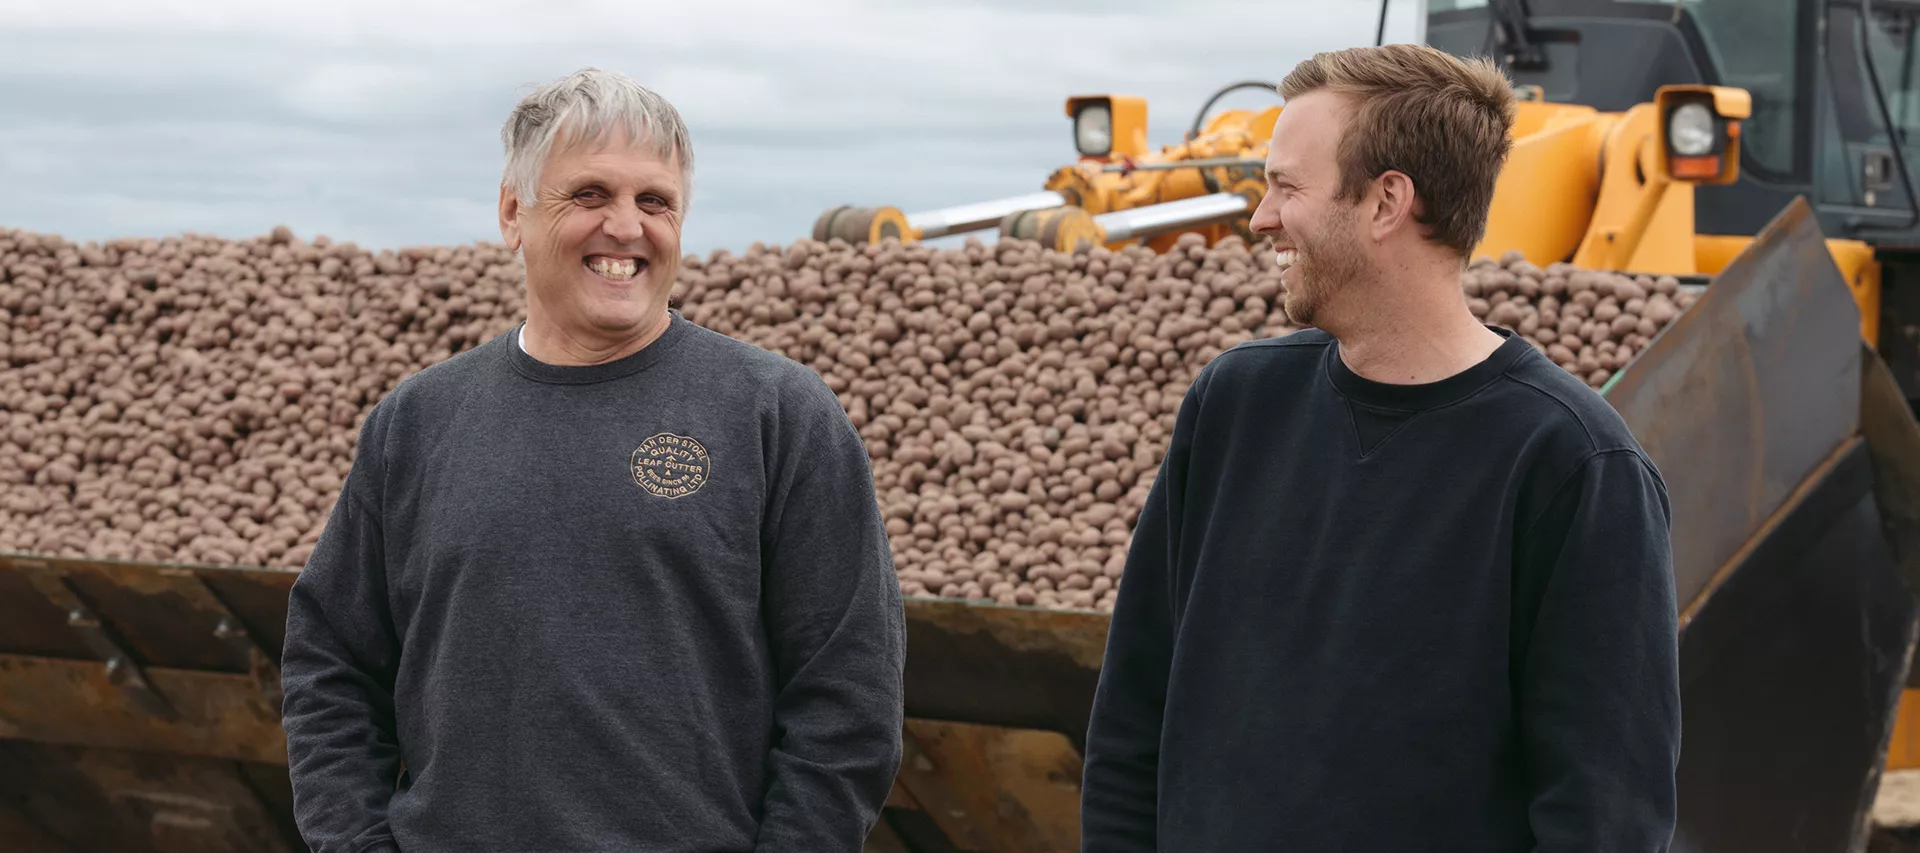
[(1504, 314)]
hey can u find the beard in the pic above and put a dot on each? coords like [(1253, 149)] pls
[(1326, 264)]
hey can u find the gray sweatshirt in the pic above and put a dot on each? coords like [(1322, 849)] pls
[(643, 605)]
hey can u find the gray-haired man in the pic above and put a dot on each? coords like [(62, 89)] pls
[(610, 581)]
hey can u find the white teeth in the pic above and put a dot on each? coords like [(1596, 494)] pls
[(614, 268), (1285, 257)]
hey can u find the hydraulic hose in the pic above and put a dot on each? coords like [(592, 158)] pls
[(1201, 117)]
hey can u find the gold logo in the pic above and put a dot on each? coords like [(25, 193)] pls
[(671, 466)]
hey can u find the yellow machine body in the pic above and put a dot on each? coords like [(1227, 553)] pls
[(1596, 189), (1592, 188), (1231, 134)]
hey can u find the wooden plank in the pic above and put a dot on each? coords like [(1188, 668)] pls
[(186, 805), (259, 598), (1019, 667), (899, 798), (884, 840), (42, 781), (20, 834), (32, 625), (274, 788), (130, 801), (221, 715), (993, 788), (163, 611)]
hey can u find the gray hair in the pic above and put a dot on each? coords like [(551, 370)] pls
[(589, 104)]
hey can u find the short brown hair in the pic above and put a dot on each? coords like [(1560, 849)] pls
[(1442, 120)]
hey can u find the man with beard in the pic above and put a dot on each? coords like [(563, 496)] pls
[(1401, 583), (610, 581)]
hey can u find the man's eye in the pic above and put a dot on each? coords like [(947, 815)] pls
[(594, 196)]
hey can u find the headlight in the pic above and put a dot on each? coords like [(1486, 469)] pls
[(1093, 130), (1690, 130)]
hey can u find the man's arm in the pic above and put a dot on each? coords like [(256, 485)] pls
[(834, 617), (1599, 682), (1118, 800), (337, 674)]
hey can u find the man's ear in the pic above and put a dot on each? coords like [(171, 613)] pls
[(1398, 206), (509, 217)]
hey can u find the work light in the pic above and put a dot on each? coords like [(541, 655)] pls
[(1690, 129), (1093, 130)]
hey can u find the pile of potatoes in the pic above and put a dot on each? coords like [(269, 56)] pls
[(1591, 323), (197, 399), (1015, 401)]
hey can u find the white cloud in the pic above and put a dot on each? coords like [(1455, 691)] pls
[(367, 92), (378, 120)]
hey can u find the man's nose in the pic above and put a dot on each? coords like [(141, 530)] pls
[(624, 223), (1265, 219)]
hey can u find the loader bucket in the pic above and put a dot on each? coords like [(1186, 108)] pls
[(1797, 626), (140, 708)]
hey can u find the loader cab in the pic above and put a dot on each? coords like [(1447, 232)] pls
[(1817, 127), (1835, 109)]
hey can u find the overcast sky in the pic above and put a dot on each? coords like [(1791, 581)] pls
[(377, 121)]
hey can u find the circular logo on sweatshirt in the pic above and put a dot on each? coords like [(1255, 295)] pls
[(671, 466)]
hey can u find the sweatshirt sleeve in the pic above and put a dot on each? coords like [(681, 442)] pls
[(1119, 801), (337, 674), (1599, 692), (834, 618)]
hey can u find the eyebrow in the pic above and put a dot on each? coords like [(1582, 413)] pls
[(1278, 175), (579, 184)]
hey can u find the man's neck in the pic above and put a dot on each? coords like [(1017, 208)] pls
[(1411, 335), (551, 344)]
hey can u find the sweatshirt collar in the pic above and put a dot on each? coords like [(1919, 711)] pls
[(1426, 395), (539, 371)]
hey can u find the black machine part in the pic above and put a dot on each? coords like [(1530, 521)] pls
[(1200, 117), (1886, 117)]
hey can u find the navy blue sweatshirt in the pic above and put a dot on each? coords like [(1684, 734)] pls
[(643, 605), (1370, 617)]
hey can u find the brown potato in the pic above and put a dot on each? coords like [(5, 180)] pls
[(1504, 314)]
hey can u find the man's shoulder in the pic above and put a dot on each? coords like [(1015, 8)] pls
[(1567, 426), (1301, 344), (443, 382), (408, 413), (762, 373), (1255, 363), (1563, 405), (753, 360)]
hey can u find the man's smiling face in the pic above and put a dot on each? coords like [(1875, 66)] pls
[(601, 238), (1317, 235)]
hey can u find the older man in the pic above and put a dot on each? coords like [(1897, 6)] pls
[(610, 581), (1403, 583)]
